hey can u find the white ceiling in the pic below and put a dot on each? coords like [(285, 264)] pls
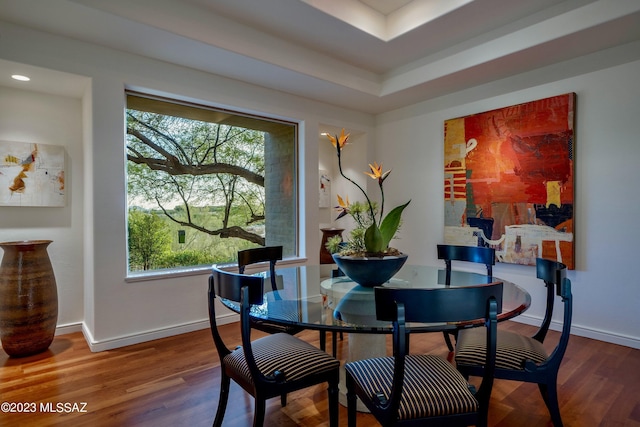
[(371, 55), (386, 6)]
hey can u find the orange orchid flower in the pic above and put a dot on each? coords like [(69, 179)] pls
[(378, 229), (376, 172), (339, 140), (343, 207)]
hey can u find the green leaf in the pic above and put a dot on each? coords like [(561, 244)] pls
[(390, 224), (373, 241)]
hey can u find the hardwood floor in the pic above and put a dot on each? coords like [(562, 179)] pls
[(175, 382)]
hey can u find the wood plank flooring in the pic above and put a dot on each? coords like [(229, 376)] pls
[(175, 382)]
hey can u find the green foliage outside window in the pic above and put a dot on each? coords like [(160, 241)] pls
[(148, 240), (193, 175)]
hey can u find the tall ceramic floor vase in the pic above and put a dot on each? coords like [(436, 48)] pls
[(28, 298)]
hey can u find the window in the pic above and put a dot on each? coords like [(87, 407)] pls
[(203, 183)]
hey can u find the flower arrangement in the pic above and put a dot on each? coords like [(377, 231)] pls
[(374, 231)]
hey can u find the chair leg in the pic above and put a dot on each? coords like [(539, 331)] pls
[(334, 410), (549, 394), (483, 417), (447, 340), (334, 343), (462, 370), (259, 411), (351, 403), (283, 399), (323, 341), (222, 402)]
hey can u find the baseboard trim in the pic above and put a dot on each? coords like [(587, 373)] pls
[(110, 344), (97, 346), (68, 328), (606, 336)]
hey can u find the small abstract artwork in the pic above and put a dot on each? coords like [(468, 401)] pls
[(31, 174), (325, 189), (508, 180)]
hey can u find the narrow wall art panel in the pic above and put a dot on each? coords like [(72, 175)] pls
[(31, 174), (508, 180), (325, 189)]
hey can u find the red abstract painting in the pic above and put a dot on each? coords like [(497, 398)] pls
[(508, 180)]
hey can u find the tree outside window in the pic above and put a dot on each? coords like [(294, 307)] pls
[(204, 183)]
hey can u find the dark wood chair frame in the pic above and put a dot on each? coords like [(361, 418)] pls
[(425, 306), (553, 275), (248, 290), (475, 254), (270, 254), (273, 254)]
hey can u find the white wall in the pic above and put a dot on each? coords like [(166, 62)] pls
[(88, 253), (117, 312), (605, 282), (55, 120)]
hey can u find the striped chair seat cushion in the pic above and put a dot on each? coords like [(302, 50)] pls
[(285, 353), (511, 353), (432, 386)]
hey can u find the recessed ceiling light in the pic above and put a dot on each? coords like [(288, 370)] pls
[(20, 77)]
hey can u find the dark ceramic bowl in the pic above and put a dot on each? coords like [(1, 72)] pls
[(370, 271)]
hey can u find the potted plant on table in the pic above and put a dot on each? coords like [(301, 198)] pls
[(369, 242)]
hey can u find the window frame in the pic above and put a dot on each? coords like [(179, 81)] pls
[(294, 126)]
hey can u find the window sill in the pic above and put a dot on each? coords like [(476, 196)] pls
[(147, 276)]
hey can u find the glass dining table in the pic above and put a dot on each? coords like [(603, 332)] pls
[(301, 296)]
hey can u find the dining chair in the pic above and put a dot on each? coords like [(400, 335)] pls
[(522, 358), (272, 365), (475, 254), (422, 389), (273, 254)]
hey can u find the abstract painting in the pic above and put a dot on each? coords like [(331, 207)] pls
[(31, 174), (508, 180)]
